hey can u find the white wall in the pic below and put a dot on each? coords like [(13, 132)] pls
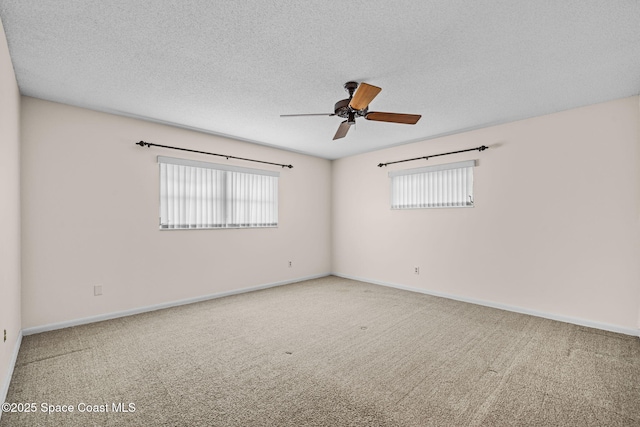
[(9, 213), (90, 216), (555, 227)]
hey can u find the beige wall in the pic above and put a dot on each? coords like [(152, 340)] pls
[(555, 227), (90, 216), (9, 212)]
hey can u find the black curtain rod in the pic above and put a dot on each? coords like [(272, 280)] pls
[(481, 148), (148, 144)]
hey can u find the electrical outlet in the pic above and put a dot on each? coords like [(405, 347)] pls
[(416, 270), (97, 290), (290, 264), (5, 335)]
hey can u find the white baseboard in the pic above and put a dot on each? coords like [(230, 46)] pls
[(515, 309), (114, 315), (12, 364)]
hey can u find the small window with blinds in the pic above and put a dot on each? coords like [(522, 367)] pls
[(201, 195), (441, 186)]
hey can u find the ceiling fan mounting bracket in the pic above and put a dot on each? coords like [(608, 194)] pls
[(351, 87)]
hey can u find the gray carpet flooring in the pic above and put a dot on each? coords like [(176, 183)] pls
[(329, 352)]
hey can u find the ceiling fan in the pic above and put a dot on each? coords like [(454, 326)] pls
[(357, 105)]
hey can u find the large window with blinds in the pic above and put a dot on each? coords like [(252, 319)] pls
[(441, 186), (201, 195)]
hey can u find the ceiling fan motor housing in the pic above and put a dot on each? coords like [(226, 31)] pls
[(342, 108)]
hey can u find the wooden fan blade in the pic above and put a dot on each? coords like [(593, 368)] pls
[(409, 119), (363, 96), (313, 114), (342, 130)]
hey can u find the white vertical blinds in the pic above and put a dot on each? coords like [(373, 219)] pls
[(441, 186), (207, 195), (255, 201)]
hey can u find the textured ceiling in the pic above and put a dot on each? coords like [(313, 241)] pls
[(232, 67)]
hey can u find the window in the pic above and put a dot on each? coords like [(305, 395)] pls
[(196, 195), (441, 186)]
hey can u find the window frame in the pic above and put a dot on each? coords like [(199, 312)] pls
[(228, 196), (466, 188)]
